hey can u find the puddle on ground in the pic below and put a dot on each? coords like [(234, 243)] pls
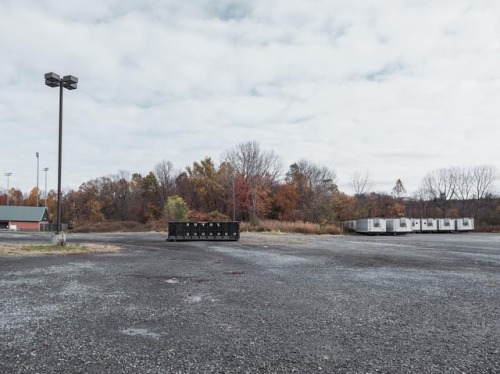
[(133, 331), (193, 299)]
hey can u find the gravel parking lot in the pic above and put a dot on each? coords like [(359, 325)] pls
[(268, 303)]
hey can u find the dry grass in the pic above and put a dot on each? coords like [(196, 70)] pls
[(291, 227), (262, 226), (111, 226), (120, 226), (45, 249), (487, 228)]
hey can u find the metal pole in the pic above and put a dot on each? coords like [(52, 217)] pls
[(45, 170), (37, 175), (60, 159), (234, 199), (70, 82), (8, 176)]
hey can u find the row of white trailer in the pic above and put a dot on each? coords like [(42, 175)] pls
[(408, 225)]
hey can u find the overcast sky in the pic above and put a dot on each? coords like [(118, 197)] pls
[(399, 88)]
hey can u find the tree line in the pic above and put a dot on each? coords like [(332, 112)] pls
[(250, 184)]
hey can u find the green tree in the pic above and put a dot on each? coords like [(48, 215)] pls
[(176, 209), (150, 192), (314, 188), (205, 183)]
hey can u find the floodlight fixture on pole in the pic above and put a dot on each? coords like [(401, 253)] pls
[(8, 176), (69, 82)]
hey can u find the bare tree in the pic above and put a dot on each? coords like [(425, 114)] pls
[(361, 182), (441, 184), (483, 178), (465, 184), (257, 168), (249, 160), (317, 177), (166, 176), (423, 196)]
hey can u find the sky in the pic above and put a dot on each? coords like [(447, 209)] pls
[(395, 88)]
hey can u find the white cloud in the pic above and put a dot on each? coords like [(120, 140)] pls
[(398, 88)]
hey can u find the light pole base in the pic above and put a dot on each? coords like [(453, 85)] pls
[(59, 239)]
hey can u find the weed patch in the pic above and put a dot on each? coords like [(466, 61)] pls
[(291, 227), (36, 249)]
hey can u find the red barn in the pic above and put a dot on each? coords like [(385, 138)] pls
[(26, 218)]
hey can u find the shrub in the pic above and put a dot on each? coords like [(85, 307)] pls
[(176, 209), (215, 216), (195, 215)]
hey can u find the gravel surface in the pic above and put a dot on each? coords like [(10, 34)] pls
[(423, 303)]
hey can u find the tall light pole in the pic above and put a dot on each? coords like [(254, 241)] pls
[(8, 176), (69, 82), (45, 170), (37, 175)]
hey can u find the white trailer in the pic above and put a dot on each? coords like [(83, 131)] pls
[(350, 224), (445, 224), (464, 224), (428, 225), (370, 225), (398, 225), (416, 224)]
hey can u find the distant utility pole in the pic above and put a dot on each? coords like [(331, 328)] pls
[(37, 175), (234, 198), (45, 170), (8, 176)]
